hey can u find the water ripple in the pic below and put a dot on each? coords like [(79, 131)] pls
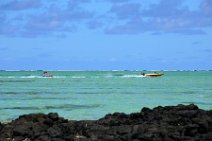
[(65, 106), (198, 103)]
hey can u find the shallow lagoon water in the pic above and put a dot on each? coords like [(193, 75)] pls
[(92, 94)]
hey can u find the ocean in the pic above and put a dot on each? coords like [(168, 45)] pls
[(79, 95)]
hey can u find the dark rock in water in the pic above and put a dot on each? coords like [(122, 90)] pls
[(53, 116), (170, 123), (1, 126)]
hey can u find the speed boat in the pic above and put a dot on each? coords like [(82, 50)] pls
[(152, 74), (45, 74)]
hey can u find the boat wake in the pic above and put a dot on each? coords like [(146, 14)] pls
[(30, 77), (133, 76)]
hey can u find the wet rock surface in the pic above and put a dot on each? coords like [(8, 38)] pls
[(170, 123)]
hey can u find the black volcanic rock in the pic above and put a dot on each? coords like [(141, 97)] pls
[(170, 123)]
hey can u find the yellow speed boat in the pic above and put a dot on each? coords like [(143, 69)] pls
[(153, 74)]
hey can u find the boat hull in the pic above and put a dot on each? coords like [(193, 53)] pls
[(154, 74)]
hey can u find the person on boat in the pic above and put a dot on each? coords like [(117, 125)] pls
[(45, 74)]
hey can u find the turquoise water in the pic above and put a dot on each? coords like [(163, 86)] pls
[(92, 94)]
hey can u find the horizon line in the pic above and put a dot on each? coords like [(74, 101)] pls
[(115, 70)]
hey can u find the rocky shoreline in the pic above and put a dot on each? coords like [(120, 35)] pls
[(169, 123)]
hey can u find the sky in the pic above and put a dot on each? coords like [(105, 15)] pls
[(105, 34)]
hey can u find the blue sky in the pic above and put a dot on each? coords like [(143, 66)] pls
[(106, 34)]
